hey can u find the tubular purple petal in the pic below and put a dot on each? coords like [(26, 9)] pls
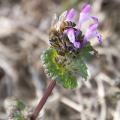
[(91, 31), (86, 8), (70, 15), (91, 34), (93, 27), (71, 35), (84, 15)]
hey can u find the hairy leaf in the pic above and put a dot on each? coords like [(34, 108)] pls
[(79, 65), (57, 71), (86, 51)]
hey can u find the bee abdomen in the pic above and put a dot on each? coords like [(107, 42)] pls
[(66, 24), (69, 24)]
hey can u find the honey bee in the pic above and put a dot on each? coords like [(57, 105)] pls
[(60, 24), (66, 24), (56, 34)]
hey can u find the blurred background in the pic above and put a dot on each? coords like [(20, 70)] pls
[(24, 26)]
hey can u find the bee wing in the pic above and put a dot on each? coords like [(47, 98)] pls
[(54, 20), (63, 16)]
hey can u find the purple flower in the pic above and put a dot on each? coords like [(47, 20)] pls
[(91, 30), (84, 15), (70, 15), (71, 35)]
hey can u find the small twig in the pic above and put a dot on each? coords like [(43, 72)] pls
[(116, 115), (71, 104), (101, 95), (43, 100)]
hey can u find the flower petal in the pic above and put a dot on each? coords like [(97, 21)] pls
[(77, 44), (91, 34), (83, 18), (93, 27), (91, 31), (71, 35), (84, 15), (86, 8), (70, 15)]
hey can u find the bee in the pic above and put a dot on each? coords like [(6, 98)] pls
[(57, 38), (58, 25), (66, 24)]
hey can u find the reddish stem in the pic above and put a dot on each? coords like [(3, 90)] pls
[(43, 99)]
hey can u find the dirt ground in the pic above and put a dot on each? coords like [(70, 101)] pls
[(24, 26)]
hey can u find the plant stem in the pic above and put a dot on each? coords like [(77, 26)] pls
[(43, 99)]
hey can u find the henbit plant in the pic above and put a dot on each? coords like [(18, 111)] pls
[(66, 58)]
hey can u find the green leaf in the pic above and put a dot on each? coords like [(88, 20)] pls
[(79, 65), (65, 73), (86, 51), (57, 71), (20, 105)]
